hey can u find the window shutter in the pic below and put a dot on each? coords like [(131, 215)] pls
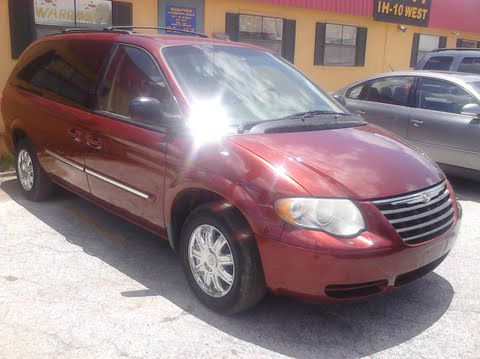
[(414, 57), (459, 43), (22, 21), (288, 40), (319, 54), (361, 47), (122, 13), (442, 42), (232, 26)]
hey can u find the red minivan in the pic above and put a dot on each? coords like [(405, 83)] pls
[(258, 178)]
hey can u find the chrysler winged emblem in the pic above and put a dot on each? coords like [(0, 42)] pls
[(426, 197)]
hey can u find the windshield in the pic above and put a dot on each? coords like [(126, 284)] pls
[(251, 85)]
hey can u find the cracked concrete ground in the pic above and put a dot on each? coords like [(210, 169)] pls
[(76, 281)]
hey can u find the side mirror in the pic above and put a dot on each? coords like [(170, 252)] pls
[(471, 109), (151, 111), (339, 98)]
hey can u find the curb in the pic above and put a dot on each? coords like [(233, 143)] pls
[(7, 174)]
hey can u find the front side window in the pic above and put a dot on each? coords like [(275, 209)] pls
[(133, 73), (67, 72), (441, 63), (390, 90), (470, 65), (262, 31), (443, 96), (340, 45), (248, 85)]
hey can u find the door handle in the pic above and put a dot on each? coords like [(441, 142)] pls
[(360, 112), (94, 142), (75, 134), (416, 123)]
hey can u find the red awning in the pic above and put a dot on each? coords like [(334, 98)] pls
[(461, 15)]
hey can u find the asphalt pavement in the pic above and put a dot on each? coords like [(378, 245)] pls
[(77, 281)]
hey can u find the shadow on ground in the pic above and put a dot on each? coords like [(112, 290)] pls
[(279, 324)]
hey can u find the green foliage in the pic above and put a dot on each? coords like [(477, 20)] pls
[(7, 163)]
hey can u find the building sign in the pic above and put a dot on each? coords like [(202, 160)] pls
[(181, 18), (55, 12), (408, 12), (71, 13), (94, 13)]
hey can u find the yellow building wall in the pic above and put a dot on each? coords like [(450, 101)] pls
[(6, 62), (387, 47)]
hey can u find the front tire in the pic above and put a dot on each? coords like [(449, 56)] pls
[(221, 260), (32, 180)]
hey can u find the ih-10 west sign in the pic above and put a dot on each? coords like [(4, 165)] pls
[(408, 12)]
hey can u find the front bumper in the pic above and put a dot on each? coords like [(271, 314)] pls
[(338, 269)]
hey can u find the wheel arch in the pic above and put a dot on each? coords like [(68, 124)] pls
[(18, 135), (186, 201)]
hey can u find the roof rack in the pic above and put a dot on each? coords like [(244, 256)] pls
[(163, 28), (128, 30), (86, 30), (458, 49)]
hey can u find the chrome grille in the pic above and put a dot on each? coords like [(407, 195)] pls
[(419, 216)]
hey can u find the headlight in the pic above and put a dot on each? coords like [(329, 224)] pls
[(339, 217)]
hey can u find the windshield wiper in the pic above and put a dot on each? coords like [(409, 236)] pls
[(311, 114), (303, 116)]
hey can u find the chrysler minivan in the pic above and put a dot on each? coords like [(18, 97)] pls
[(258, 178)]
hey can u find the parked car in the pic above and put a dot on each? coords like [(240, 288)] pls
[(258, 178), (458, 60), (437, 112)]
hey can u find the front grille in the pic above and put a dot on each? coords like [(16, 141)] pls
[(419, 216)]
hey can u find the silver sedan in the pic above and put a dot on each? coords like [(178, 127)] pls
[(438, 112)]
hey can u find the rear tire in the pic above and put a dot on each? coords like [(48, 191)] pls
[(32, 180), (245, 285)]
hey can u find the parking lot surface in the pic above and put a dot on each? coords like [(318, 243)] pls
[(77, 281)]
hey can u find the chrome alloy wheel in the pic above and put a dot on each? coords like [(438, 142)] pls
[(25, 170), (211, 260)]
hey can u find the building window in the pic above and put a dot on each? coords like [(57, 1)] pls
[(424, 44), (427, 44), (277, 35), (340, 45), (469, 44), (262, 31)]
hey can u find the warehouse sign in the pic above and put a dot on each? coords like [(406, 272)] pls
[(181, 18), (407, 12), (55, 12), (71, 13), (94, 13)]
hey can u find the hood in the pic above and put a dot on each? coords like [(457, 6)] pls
[(362, 162)]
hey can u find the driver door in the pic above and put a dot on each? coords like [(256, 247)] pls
[(438, 127), (125, 162)]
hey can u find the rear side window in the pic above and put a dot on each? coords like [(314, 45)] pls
[(470, 65), (66, 72), (355, 92), (441, 63), (443, 96), (390, 90), (133, 73)]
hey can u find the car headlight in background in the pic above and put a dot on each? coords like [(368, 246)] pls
[(339, 217)]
